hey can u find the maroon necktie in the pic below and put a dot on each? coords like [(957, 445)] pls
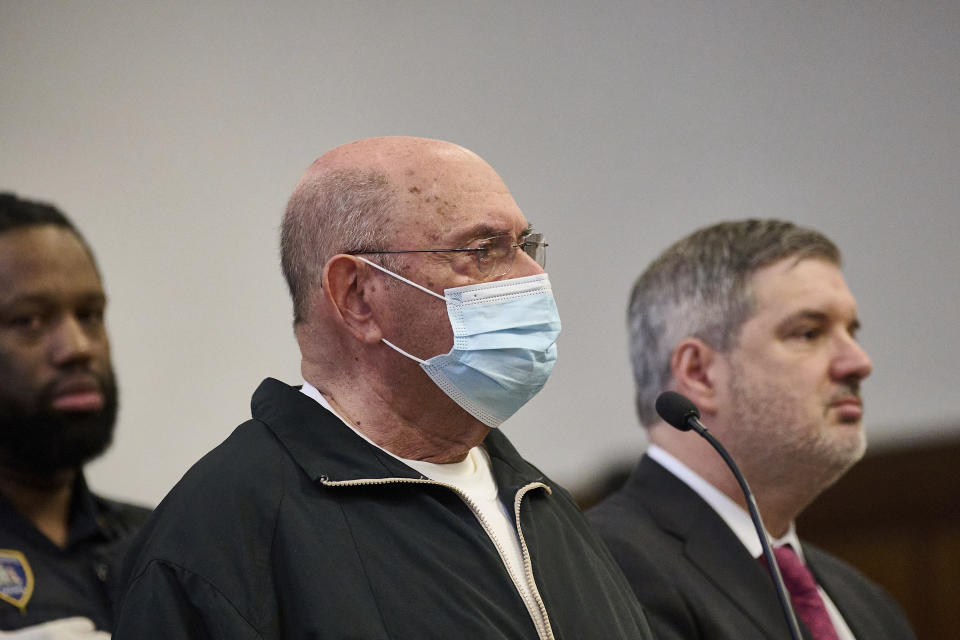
[(803, 593)]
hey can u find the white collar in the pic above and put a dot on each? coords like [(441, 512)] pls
[(736, 517)]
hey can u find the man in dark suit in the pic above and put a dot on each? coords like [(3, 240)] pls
[(752, 321)]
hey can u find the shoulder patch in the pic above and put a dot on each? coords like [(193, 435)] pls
[(16, 578)]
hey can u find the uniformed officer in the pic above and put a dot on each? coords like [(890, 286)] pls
[(59, 543)]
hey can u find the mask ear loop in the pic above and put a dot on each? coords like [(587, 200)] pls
[(401, 278), (412, 284), (401, 351)]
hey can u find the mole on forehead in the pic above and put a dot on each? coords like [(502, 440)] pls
[(435, 214), (429, 198)]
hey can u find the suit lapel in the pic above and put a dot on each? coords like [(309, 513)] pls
[(858, 615), (710, 546)]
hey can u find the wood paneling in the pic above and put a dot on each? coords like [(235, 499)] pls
[(896, 517)]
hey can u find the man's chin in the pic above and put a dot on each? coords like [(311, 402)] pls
[(849, 448), (44, 445), (86, 437)]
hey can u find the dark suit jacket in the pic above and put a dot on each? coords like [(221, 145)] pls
[(695, 579)]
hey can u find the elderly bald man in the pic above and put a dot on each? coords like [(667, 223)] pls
[(379, 499)]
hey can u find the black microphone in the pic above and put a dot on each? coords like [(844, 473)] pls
[(681, 413)]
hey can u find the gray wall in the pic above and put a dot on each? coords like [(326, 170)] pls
[(174, 131)]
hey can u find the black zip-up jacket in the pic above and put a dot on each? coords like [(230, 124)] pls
[(295, 527)]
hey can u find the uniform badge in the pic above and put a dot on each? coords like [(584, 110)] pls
[(16, 578)]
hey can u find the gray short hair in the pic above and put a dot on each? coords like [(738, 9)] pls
[(699, 288), (332, 213)]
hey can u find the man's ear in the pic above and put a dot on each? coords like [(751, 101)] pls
[(697, 370), (346, 286)]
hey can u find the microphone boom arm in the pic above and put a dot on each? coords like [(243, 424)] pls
[(785, 603)]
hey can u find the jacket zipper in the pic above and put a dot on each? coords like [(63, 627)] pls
[(527, 564), (546, 633)]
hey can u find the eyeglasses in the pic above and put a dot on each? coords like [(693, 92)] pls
[(494, 255)]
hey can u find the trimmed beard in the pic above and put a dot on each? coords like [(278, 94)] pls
[(780, 444), (42, 442)]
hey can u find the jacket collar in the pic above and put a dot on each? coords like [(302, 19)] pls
[(327, 449), (509, 468)]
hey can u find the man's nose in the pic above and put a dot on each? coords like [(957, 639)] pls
[(71, 342), (524, 265), (851, 360)]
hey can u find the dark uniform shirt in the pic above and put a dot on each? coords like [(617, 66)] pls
[(39, 581)]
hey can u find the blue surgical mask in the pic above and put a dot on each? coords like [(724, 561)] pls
[(504, 344)]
